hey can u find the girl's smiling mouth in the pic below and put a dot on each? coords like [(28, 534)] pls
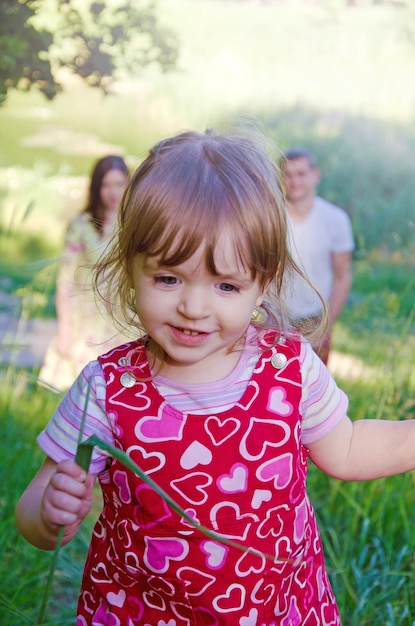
[(188, 336)]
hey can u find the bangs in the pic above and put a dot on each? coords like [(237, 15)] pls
[(196, 195)]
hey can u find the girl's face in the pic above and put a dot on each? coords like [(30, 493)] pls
[(193, 315), (112, 189)]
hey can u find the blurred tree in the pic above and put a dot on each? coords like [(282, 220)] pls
[(98, 41), (23, 50)]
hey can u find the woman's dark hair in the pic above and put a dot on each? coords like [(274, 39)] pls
[(94, 207)]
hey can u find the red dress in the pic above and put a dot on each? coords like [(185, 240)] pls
[(241, 473)]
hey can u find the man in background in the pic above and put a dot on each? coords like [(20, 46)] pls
[(321, 242)]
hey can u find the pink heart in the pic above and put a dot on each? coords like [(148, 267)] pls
[(216, 554), (160, 551), (120, 479), (277, 402), (279, 469), (116, 599), (235, 481), (103, 616), (193, 515), (167, 426), (293, 615)]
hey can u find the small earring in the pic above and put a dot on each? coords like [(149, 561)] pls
[(259, 315)]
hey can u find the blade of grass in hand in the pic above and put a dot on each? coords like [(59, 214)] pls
[(83, 458)]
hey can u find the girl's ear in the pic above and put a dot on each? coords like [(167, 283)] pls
[(259, 300), (261, 296)]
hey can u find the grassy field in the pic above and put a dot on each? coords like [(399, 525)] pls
[(339, 81)]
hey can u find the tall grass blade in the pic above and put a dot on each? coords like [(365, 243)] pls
[(125, 460), (83, 458), (48, 588)]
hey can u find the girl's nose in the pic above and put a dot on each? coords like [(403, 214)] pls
[(194, 304)]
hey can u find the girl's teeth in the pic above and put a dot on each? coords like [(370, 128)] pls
[(189, 332)]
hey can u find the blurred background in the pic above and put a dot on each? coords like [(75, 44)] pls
[(81, 78)]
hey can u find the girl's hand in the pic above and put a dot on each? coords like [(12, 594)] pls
[(68, 496), (59, 495)]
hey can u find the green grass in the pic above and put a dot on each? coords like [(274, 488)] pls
[(25, 409)]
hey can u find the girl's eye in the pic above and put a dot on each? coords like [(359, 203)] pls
[(228, 288), (165, 280)]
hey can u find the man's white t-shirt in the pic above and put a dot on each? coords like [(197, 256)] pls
[(325, 230)]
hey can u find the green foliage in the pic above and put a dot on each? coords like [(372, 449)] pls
[(23, 50), (94, 40)]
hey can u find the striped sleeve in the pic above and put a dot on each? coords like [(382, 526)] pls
[(323, 404), (59, 439)]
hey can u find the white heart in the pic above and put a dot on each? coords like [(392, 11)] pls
[(215, 553), (251, 620), (277, 402), (260, 496), (196, 454), (235, 481), (116, 599)]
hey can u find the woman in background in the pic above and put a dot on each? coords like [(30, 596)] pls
[(83, 328)]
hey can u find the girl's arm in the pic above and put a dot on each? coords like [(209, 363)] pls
[(59, 495), (366, 449)]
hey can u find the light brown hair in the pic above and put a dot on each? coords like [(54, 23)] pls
[(188, 189)]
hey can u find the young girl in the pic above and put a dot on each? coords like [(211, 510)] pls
[(83, 330), (221, 412)]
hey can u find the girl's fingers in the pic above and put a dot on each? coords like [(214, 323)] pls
[(71, 469)]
